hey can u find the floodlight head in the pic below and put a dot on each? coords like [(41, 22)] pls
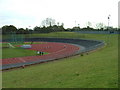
[(109, 16)]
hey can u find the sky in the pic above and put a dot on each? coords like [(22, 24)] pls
[(30, 13)]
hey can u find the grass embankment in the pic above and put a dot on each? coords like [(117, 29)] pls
[(95, 70)]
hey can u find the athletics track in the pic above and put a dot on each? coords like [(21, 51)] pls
[(56, 47), (55, 50)]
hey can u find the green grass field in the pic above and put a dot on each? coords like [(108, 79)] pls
[(98, 69)]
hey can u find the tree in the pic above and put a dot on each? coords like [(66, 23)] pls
[(58, 23), (8, 29), (48, 22), (75, 28), (36, 29), (100, 26), (4, 29), (89, 24), (12, 28), (20, 31)]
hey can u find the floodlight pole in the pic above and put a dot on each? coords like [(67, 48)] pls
[(109, 20), (108, 26)]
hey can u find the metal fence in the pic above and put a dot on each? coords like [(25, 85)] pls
[(99, 32)]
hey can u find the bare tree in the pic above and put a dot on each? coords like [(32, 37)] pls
[(48, 22), (89, 24), (100, 26), (58, 23)]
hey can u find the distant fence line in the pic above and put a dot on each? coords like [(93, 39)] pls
[(98, 32)]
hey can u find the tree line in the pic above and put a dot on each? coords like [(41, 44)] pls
[(49, 25)]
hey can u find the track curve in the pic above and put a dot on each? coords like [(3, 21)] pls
[(55, 50), (57, 47)]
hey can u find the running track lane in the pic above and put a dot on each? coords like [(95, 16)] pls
[(55, 50)]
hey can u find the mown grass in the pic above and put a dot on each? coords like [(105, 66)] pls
[(98, 69)]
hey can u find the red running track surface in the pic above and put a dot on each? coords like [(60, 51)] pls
[(55, 50)]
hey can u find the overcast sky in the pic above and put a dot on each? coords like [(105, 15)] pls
[(25, 13)]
